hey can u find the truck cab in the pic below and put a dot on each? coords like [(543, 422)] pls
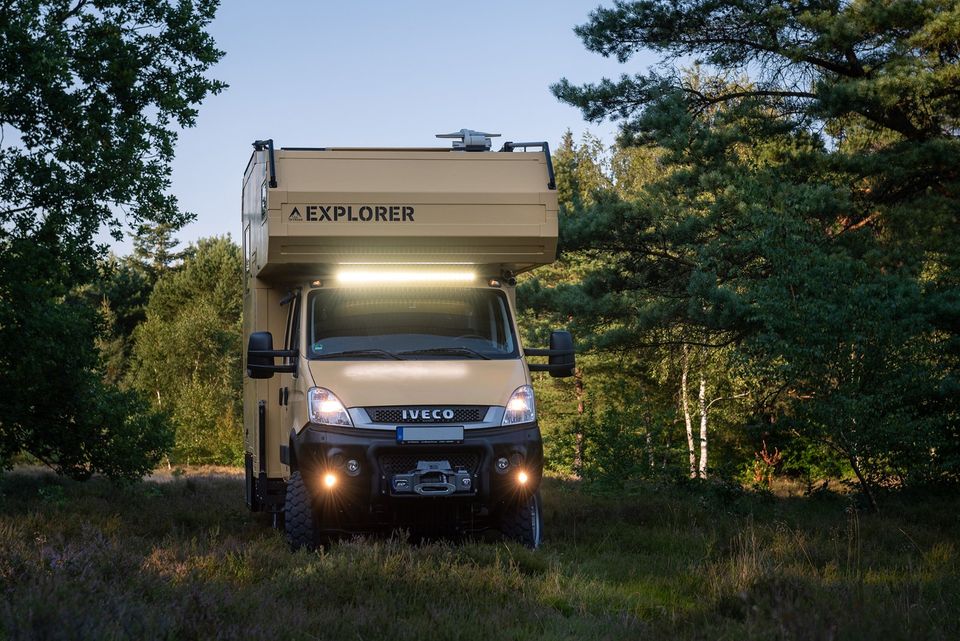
[(387, 384)]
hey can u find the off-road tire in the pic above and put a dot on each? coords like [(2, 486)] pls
[(299, 518), (522, 521)]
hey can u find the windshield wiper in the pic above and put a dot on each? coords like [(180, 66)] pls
[(448, 350), (361, 352)]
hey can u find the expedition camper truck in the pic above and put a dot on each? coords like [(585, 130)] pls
[(386, 383)]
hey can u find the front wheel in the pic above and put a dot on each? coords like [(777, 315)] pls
[(522, 521), (298, 516)]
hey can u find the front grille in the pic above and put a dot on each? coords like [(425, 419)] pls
[(406, 461), (394, 415)]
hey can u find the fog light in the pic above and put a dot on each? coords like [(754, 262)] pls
[(502, 463), (522, 478), (353, 467), (329, 480)]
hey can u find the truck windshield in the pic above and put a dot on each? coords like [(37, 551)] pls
[(410, 323)]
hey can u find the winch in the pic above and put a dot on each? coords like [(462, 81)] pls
[(433, 478)]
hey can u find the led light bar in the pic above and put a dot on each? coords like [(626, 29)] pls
[(406, 263), (358, 277)]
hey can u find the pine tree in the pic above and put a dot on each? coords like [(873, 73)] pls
[(808, 216), (154, 250)]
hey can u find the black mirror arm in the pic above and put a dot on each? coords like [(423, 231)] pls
[(277, 369), (545, 367), (548, 352), (277, 353), (286, 368)]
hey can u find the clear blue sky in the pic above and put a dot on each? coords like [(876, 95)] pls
[(378, 73)]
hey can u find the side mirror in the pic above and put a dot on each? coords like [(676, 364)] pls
[(564, 361), (260, 355), (561, 358)]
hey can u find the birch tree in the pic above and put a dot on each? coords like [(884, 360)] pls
[(685, 408)]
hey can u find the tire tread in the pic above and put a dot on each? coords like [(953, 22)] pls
[(516, 521), (298, 515)]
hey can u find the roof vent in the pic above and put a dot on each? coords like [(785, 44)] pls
[(470, 140)]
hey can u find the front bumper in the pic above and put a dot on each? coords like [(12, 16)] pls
[(378, 487)]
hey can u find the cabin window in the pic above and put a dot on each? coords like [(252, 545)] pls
[(410, 323)]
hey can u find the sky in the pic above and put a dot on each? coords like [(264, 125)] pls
[(378, 73)]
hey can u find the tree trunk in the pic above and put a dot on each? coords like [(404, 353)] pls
[(850, 451), (864, 485), (578, 437), (686, 411), (578, 388), (703, 424), (649, 447)]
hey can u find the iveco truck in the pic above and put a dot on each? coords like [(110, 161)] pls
[(387, 385)]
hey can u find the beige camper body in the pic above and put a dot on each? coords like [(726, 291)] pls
[(350, 235), (491, 210)]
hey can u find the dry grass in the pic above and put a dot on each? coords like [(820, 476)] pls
[(178, 557)]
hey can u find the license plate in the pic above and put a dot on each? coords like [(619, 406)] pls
[(424, 434)]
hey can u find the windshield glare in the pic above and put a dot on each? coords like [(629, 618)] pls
[(438, 323)]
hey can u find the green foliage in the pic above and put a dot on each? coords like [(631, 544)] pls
[(630, 442), (90, 96), (580, 170), (627, 429), (121, 291), (154, 250), (807, 217), (53, 401), (620, 389), (187, 352)]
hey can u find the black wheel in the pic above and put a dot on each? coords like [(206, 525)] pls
[(522, 521), (298, 515)]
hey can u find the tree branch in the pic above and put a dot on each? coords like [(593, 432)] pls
[(749, 94), (858, 225), (15, 210), (726, 398), (777, 50), (72, 12)]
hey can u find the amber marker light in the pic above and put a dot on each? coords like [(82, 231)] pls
[(522, 477), (329, 480)]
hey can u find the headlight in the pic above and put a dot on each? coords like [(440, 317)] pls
[(521, 407), (326, 408)]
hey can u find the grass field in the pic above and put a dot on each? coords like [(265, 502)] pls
[(181, 558)]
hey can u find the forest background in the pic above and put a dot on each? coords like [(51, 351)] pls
[(761, 273)]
